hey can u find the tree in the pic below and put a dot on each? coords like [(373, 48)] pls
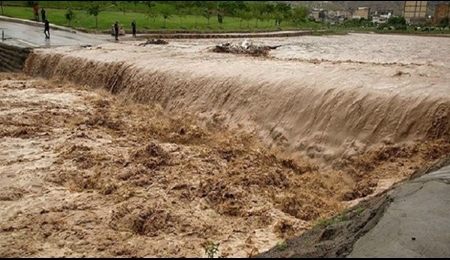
[(69, 15), (444, 22), (399, 23), (299, 14), (220, 18), (257, 11), (196, 11), (180, 11), (393, 21), (269, 10), (230, 8), (209, 10), (94, 9), (166, 12), (245, 15), (30, 3), (151, 14), (149, 4), (120, 5), (282, 12), (135, 4), (1, 4)]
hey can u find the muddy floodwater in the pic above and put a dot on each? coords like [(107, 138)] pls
[(153, 151)]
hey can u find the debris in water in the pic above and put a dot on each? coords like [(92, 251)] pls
[(153, 41), (245, 48)]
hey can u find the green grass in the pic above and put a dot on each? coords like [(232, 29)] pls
[(107, 18), (359, 211), (282, 245), (321, 222)]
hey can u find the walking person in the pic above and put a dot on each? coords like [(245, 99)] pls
[(133, 26), (47, 29), (36, 12), (116, 30), (44, 17)]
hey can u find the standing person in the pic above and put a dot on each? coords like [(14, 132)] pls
[(116, 30), (47, 29), (44, 17), (133, 26), (36, 12)]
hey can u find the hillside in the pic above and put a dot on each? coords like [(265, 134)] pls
[(397, 6)]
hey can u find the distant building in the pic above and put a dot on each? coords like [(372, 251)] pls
[(441, 11), (344, 14), (318, 14), (415, 11), (362, 12), (335, 17), (380, 19)]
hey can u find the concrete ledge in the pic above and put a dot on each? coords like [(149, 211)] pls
[(37, 24), (12, 58), (223, 35)]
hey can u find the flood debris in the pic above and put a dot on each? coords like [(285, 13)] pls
[(246, 47), (153, 41)]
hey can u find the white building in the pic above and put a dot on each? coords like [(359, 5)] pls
[(382, 18)]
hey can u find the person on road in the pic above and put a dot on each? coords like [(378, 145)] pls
[(44, 17), (133, 26), (116, 30), (36, 13), (47, 29)]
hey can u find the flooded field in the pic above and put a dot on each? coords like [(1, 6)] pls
[(126, 150)]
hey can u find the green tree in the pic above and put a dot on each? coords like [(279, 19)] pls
[(181, 11), (282, 12), (151, 14), (444, 22), (231, 8), (197, 12), (166, 12), (269, 11), (135, 4), (121, 5), (262, 11), (31, 3), (257, 11), (399, 23), (245, 15), (208, 11), (94, 9), (219, 18), (70, 15), (149, 4), (299, 14), (394, 20)]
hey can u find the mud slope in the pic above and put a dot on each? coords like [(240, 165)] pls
[(83, 173), (327, 107)]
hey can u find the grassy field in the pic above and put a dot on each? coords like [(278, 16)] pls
[(107, 18)]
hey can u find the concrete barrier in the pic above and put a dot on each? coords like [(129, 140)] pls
[(12, 58), (223, 35)]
